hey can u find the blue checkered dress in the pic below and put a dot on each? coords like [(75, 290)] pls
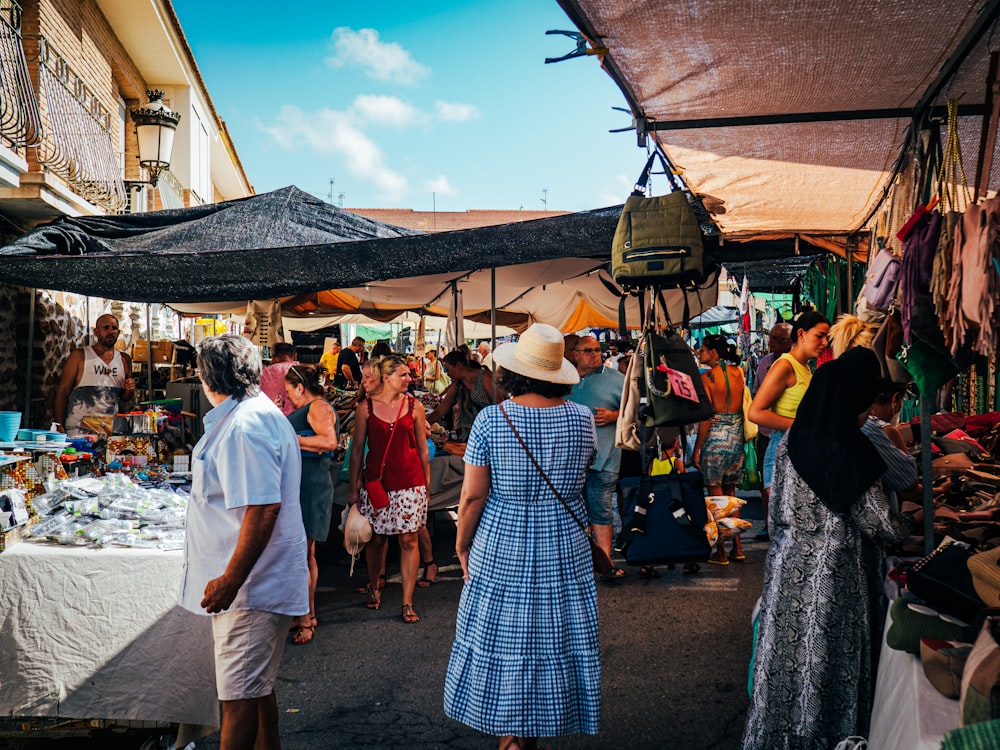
[(526, 657)]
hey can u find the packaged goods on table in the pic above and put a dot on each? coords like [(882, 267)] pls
[(111, 510)]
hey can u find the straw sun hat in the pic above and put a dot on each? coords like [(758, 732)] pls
[(538, 354)]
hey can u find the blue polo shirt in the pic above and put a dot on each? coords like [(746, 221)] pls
[(249, 455), (602, 388)]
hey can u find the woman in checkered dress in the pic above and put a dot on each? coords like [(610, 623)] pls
[(526, 658)]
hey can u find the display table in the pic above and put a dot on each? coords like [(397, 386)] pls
[(96, 633), (447, 473), (908, 713)]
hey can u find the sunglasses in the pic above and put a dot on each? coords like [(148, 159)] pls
[(589, 351)]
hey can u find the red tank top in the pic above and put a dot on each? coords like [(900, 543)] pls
[(403, 468)]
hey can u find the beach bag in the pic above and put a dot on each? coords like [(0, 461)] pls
[(880, 281), (658, 241), (752, 479), (676, 396), (750, 429)]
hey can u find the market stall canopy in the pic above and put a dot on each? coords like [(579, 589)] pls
[(790, 116)]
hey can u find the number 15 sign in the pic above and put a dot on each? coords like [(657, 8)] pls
[(682, 385)]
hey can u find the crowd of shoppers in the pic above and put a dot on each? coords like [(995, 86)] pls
[(540, 465)]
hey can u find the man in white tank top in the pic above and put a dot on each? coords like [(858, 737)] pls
[(94, 380)]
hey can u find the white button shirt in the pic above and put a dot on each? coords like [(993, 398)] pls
[(249, 455)]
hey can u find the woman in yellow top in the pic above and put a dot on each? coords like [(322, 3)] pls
[(778, 397)]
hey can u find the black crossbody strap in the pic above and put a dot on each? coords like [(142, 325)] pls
[(540, 471)]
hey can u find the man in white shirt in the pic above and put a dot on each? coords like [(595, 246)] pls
[(245, 552)]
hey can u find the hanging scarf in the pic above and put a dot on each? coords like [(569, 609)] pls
[(825, 443)]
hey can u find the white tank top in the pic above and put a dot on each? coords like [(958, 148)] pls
[(98, 372), (97, 394)]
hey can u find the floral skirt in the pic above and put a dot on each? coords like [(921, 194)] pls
[(406, 512)]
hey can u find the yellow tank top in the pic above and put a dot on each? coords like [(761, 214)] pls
[(788, 404)]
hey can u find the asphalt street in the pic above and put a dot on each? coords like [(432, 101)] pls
[(674, 660), (674, 650)]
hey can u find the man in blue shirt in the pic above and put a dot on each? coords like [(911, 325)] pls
[(245, 550), (600, 388)]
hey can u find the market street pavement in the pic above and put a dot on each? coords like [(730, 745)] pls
[(674, 660)]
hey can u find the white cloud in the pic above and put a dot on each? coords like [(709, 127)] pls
[(380, 60), (452, 112), (440, 185), (330, 132), (387, 110)]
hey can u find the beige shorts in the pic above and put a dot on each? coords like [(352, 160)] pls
[(248, 647)]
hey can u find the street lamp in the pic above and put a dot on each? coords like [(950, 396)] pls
[(154, 129)]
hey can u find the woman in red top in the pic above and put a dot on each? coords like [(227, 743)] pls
[(395, 427)]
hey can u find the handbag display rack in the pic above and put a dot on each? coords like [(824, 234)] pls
[(666, 520)]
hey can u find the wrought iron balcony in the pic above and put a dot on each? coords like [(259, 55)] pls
[(20, 122), (79, 141)]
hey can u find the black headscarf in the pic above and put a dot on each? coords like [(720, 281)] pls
[(825, 444)]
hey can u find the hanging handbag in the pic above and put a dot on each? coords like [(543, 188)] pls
[(676, 402), (887, 343), (881, 280), (927, 357), (600, 559), (665, 519), (658, 241), (377, 495)]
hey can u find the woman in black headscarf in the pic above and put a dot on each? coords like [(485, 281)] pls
[(813, 681)]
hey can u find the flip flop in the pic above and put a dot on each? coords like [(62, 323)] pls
[(616, 574)]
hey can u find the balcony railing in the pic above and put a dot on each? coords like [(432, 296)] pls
[(20, 122), (79, 144)]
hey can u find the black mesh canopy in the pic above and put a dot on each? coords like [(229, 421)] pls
[(276, 244)]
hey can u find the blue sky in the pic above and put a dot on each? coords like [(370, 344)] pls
[(420, 105)]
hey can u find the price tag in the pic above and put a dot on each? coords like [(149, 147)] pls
[(682, 385)]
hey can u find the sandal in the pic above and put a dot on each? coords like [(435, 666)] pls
[(409, 616), (691, 568), (304, 635), (364, 589), (616, 574), (426, 581), (374, 599), (648, 571)]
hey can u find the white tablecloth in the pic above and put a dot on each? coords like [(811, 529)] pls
[(908, 713), (91, 634)]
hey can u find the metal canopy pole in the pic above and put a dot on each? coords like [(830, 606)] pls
[(926, 472), (26, 414), (493, 321), (149, 351)]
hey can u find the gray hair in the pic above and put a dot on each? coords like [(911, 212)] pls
[(230, 366)]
